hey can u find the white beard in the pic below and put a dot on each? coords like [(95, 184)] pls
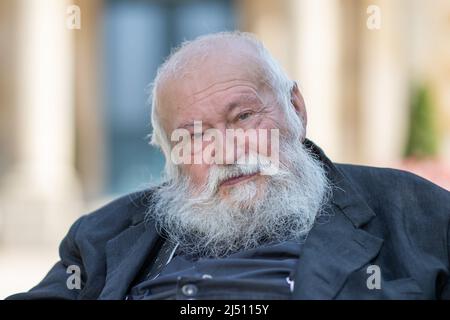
[(208, 225)]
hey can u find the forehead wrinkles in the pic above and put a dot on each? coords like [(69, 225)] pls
[(223, 86), (244, 95), (218, 71), (180, 94), (220, 87)]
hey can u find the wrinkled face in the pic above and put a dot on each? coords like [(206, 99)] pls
[(224, 92), (213, 208)]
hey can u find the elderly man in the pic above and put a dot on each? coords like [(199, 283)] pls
[(269, 218)]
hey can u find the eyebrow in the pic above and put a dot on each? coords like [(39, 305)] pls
[(186, 125), (229, 107), (242, 99)]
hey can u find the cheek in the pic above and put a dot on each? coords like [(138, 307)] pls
[(269, 129), (272, 120)]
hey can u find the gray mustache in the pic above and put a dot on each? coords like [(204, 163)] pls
[(219, 174)]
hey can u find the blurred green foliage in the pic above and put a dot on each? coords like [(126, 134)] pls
[(422, 135)]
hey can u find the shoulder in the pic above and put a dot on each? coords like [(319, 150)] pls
[(115, 216), (401, 198), (394, 183)]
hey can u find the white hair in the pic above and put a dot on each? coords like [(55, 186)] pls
[(284, 209), (176, 63)]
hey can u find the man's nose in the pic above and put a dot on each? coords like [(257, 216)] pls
[(224, 149), (233, 147)]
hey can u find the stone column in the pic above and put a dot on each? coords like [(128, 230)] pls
[(271, 22), (90, 133), (384, 82), (317, 43), (40, 194)]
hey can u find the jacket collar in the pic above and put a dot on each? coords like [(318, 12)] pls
[(345, 197), (333, 250), (338, 246)]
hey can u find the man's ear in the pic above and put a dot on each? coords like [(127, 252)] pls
[(299, 103)]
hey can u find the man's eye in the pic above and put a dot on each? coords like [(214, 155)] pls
[(244, 116)]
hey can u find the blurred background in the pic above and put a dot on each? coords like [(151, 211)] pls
[(74, 116)]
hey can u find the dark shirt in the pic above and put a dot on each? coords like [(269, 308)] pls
[(261, 273)]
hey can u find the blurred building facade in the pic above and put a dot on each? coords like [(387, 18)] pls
[(74, 116)]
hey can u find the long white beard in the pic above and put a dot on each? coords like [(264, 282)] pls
[(208, 225)]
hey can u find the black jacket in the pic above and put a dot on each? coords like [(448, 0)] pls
[(381, 218)]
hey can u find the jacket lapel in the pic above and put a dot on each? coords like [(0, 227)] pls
[(333, 250), (125, 255), (337, 246)]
